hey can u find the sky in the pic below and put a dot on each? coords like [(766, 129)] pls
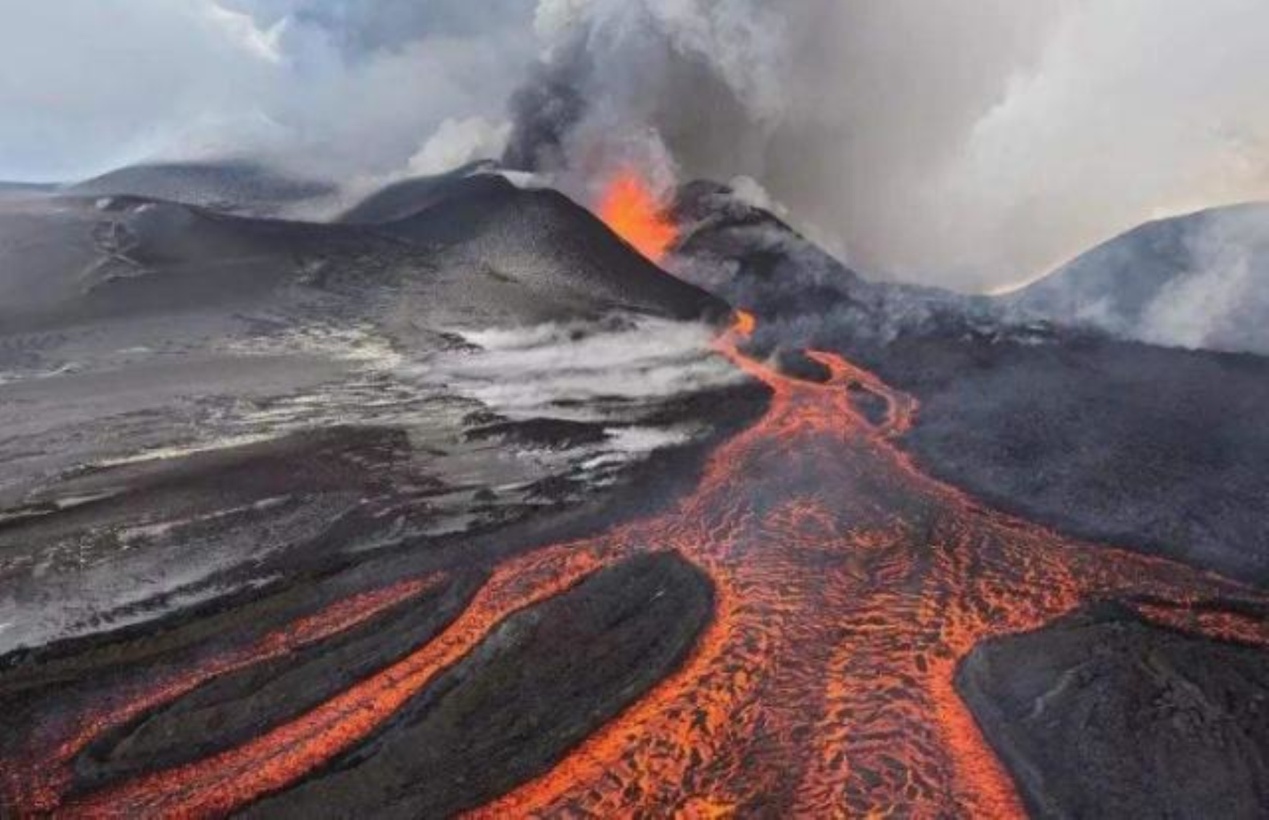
[(973, 144)]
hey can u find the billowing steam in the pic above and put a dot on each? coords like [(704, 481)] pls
[(1222, 299), (335, 88), (973, 144)]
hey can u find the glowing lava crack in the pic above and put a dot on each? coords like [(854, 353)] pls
[(847, 585)]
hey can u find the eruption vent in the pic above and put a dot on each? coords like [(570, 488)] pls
[(631, 210)]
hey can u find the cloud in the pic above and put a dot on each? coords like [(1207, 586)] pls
[(1135, 109), (84, 85), (339, 88), (458, 142)]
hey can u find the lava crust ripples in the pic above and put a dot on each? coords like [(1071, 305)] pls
[(848, 585)]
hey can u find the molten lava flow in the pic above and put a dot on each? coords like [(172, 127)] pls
[(38, 786), (631, 210), (848, 586)]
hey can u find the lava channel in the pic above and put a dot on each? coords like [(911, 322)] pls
[(848, 585)]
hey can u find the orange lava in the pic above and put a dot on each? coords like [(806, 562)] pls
[(40, 787), (848, 586), (632, 211)]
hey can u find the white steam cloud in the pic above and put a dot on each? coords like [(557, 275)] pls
[(1221, 300), (972, 144), (572, 372)]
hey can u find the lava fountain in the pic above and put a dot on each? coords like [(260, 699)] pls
[(632, 211), (848, 585)]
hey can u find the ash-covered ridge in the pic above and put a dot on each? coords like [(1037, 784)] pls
[(236, 186)]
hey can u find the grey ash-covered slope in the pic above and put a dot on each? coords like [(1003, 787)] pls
[(1104, 715), (71, 260), (216, 427), (528, 239), (196, 403), (486, 250), (1143, 446), (1196, 281)]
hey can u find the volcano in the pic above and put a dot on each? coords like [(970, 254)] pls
[(466, 502)]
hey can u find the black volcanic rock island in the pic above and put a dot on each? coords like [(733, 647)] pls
[(1105, 715)]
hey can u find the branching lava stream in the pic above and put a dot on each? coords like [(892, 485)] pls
[(848, 585)]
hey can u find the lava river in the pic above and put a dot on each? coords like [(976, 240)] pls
[(848, 584)]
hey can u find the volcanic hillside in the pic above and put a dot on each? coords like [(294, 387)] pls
[(461, 504)]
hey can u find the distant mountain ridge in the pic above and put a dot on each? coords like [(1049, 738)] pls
[(238, 186), (1199, 281)]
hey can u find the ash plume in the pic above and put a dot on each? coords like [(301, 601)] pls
[(969, 145)]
